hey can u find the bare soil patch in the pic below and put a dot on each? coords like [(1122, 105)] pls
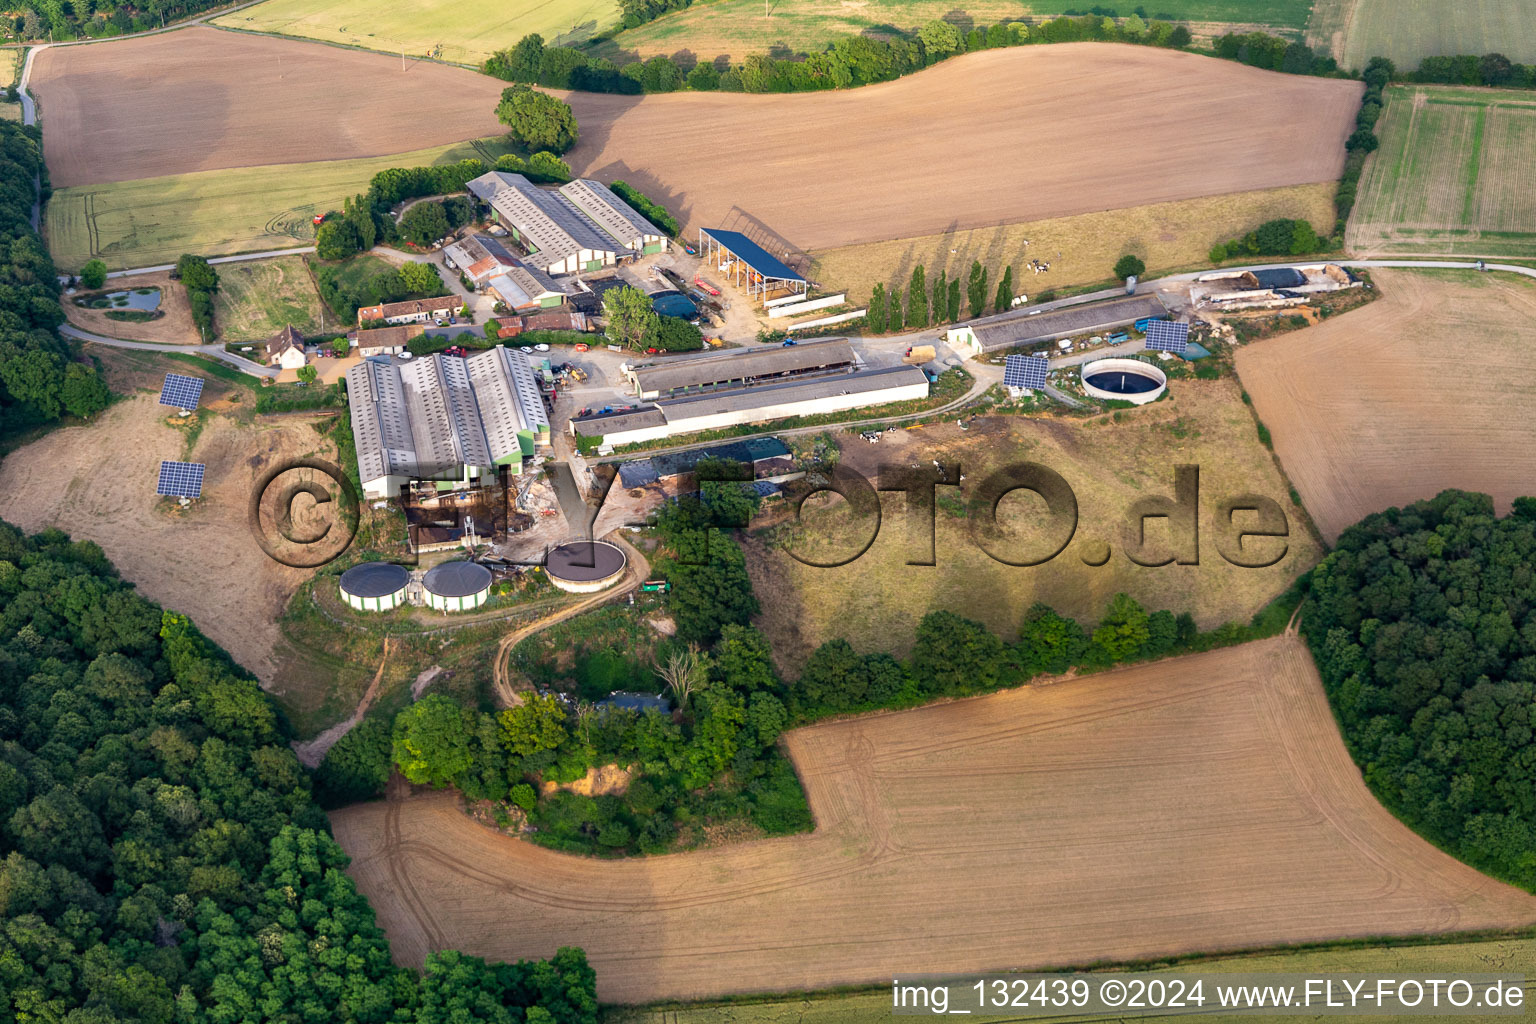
[(199, 98), (174, 328), (1201, 803), (97, 482), (1430, 387), (1003, 136)]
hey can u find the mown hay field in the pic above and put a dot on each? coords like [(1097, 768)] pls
[(876, 601), (217, 213), (1427, 388), (1455, 173), (257, 299), (1197, 804), (1407, 31), (736, 28), (1081, 250), (452, 30)]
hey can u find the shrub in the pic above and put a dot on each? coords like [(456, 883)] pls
[(1129, 266), (93, 274)]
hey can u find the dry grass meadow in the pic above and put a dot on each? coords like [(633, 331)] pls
[(257, 299), (1195, 804), (1456, 173), (1430, 387), (876, 601), (1080, 250)]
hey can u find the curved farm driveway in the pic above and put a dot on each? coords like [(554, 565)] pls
[(1201, 803), (995, 137)]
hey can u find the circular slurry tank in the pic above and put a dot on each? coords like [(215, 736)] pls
[(457, 586), (585, 566), (375, 586), (1124, 380)]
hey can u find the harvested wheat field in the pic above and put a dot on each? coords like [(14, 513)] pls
[(1430, 387), (1110, 461), (1200, 803), (97, 482), (198, 99), (1071, 142)]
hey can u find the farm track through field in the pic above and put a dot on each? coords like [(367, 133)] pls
[(1199, 803)]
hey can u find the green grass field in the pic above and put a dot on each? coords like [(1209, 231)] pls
[(214, 213), (1508, 956), (1456, 173), (255, 300), (464, 32), (1409, 30), (739, 27)]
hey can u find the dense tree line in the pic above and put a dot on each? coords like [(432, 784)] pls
[(862, 60), (716, 759), (65, 19), (1492, 69), (647, 208), (161, 858), (1362, 141), (201, 281), (1423, 623), (39, 381), (1281, 237)]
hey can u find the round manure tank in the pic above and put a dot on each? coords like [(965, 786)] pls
[(375, 586), (1124, 380), (457, 586), (585, 566)]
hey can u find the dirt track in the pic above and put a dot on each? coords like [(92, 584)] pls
[(1002, 136), (1202, 803), (1430, 387)]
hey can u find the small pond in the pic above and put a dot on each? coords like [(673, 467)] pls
[(145, 300)]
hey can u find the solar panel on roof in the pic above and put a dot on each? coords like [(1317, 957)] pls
[(181, 392), (180, 480), (1167, 336), (1026, 372)]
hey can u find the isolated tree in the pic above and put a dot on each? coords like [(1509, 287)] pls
[(196, 275), (630, 319), (875, 317), (683, 672), (976, 288), (420, 277), (93, 274), (424, 223), (544, 166), (307, 374), (1129, 266), (535, 120), (952, 301), (1004, 298), (917, 298), (894, 322)]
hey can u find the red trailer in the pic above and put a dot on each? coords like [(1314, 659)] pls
[(706, 285)]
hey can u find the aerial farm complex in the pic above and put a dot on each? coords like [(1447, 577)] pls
[(684, 511)]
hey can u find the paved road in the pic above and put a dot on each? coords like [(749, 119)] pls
[(211, 351)]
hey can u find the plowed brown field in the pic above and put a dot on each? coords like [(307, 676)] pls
[(994, 137), (1200, 803), (1430, 387)]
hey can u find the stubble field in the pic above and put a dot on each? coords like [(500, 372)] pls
[(876, 601), (1456, 173), (1407, 31), (1200, 803), (115, 113), (1080, 250), (458, 31), (1430, 387)]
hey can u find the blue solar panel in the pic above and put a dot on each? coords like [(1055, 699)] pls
[(1026, 372), (180, 480), (181, 392), (1167, 336)]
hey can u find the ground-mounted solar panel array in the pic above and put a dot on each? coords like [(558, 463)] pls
[(1026, 372), (181, 392), (1168, 336), (180, 480)]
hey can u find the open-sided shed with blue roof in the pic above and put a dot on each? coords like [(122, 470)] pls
[(750, 266)]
